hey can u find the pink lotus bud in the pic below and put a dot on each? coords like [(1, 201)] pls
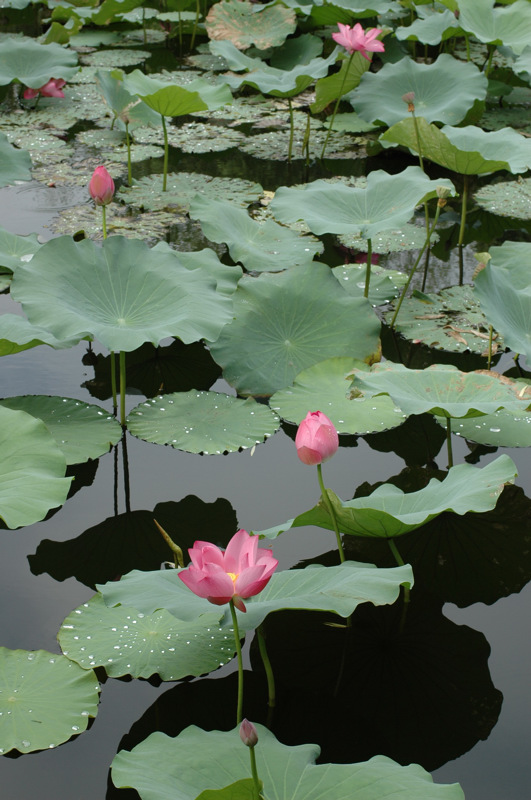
[(248, 733), (101, 187), (316, 440)]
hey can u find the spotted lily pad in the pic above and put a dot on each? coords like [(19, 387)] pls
[(45, 699), (288, 321), (80, 430), (33, 64), (507, 199), (15, 165), (444, 91), (274, 145), (324, 386), (408, 237), (245, 24), (182, 188), (451, 320), (111, 59), (200, 137), (202, 422), (125, 641)]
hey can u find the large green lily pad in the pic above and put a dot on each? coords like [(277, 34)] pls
[(442, 389), (432, 26), (182, 188), (387, 202), (162, 767), (122, 293), (501, 429), (203, 422), (408, 237), (507, 199), (32, 470), (288, 321), (510, 26), (125, 641), (45, 699), (324, 386), (444, 91), (81, 431), (15, 164), (17, 334), (34, 64), (15, 249), (172, 100), (244, 24)]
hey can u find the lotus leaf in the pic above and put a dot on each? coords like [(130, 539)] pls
[(388, 202), (431, 26), (442, 389), (409, 236), (17, 334), (171, 100), (265, 246), (183, 186), (109, 59), (507, 199), (203, 422), (444, 91), (244, 24), (122, 293), (522, 65), (339, 83), (32, 470), (299, 50), (324, 386), (504, 291), (34, 64), (389, 512), (510, 26), (288, 321), (162, 767), (47, 689), (385, 285), (122, 103), (15, 250), (15, 164)]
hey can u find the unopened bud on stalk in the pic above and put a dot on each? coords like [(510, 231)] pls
[(442, 193), (409, 98), (248, 733)]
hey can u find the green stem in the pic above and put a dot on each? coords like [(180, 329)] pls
[(306, 140), (196, 22), (337, 104), (122, 388), (254, 773), (113, 381), (449, 442), (128, 143), (104, 220), (368, 271), (491, 329), (271, 699), (405, 586), (166, 153), (291, 128), (330, 509), (467, 47), (462, 228), (415, 265), (491, 49), (239, 711)]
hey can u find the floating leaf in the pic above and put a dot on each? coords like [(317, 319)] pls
[(45, 699), (34, 64), (162, 767), (15, 250), (172, 100), (501, 429), (244, 24), (202, 422), (15, 165), (385, 285), (125, 641), (408, 237), (288, 321), (32, 470), (81, 431), (444, 91), (510, 26), (110, 59), (182, 188), (324, 386), (506, 199)]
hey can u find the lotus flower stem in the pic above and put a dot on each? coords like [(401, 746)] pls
[(489, 361), (104, 221), (368, 271), (113, 380), (291, 128), (491, 49), (125, 466), (271, 699), (122, 388), (467, 42), (415, 265), (166, 153), (254, 773), (128, 143), (411, 107), (306, 140), (462, 228), (330, 510), (196, 21), (239, 711), (406, 586), (337, 105), (449, 442)]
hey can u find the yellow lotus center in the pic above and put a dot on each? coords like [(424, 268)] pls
[(232, 576)]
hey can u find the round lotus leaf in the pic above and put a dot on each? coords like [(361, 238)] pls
[(407, 237), (245, 24), (510, 25), (121, 293), (45, 699), (32, 470), (203, 422), (444, 91), (182, 188), (501, 429), (80, 430), (451, 320), (274, 145), (443, 390), (110, 59), (507, 199), (516, 117), (288, 321), (125, 641), (34, 64), (15, 250), (17, 334), (15, 165), (174, 99), (432, 26), (324, 386)]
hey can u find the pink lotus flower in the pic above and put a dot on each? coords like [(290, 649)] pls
[(248, 733), (101, 187), (241, 571), (317, 439), (356, 39), (50, 89)]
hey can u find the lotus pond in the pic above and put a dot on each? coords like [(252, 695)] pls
[(304, 207)]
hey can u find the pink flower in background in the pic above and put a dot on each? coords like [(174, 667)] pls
[(241, 571), (101, 187), (50, 89), (356, 39), (317, 439)]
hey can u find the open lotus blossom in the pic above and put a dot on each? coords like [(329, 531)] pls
[(355, 38), (101, 187), (317, 439), (50, 89), (240, 571)]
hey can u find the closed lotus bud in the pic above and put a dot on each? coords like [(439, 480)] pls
[(248, 733), (409, 98), (101, 187), (442, 193), (317, 439)]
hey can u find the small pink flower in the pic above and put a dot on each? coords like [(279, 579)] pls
[(50, 89), (241, 571), (317, 439), (248, 733), (101, 187), (356, 39)]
